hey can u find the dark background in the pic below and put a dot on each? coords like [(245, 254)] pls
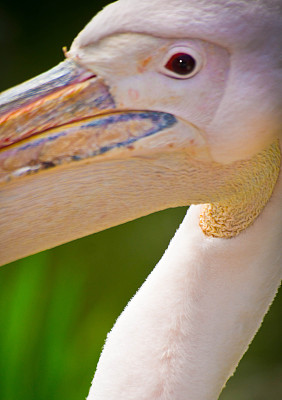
[(56, 307)]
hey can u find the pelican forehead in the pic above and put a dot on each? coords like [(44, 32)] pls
[(231, 23)]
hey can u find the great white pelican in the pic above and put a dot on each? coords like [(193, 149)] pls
[(160, 104)]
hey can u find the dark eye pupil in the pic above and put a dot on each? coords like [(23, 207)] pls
[(181, 64)]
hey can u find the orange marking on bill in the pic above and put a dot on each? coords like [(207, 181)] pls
[(66, 92), (146, 61), (143, 64)]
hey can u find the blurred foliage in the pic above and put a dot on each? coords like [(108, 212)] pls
[(56, 307)]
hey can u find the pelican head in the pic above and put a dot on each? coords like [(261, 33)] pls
[(158, 104)]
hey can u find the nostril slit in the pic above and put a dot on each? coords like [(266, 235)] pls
[(85, 76)]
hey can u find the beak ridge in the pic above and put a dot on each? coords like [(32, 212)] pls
[(51, 100), (67, 114), (66, 73)]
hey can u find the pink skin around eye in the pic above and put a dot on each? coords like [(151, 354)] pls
[(133, 94)]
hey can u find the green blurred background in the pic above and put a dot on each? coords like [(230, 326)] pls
[(56, 307)]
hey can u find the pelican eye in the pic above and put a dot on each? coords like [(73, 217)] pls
[(181, 64)]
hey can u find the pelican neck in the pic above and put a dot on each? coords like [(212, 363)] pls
[(253, 186)]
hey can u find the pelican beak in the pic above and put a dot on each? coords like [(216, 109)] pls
[(73, 162), (64, 115)]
